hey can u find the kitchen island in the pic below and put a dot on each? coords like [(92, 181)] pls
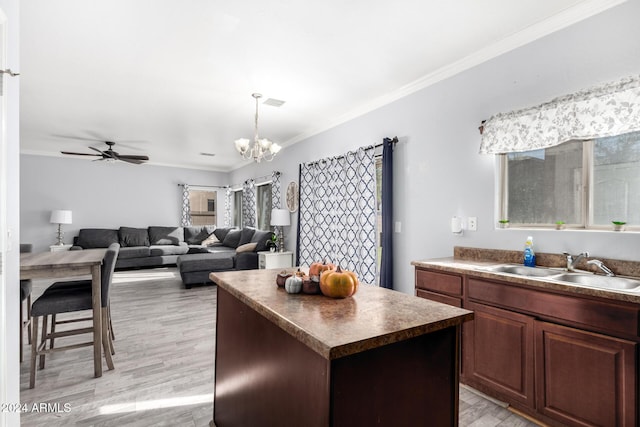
[(378, 358)]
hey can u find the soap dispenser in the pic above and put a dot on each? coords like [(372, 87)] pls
[(529, 254)]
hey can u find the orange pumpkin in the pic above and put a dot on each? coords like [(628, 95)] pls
[(338, 283), (317, 268)]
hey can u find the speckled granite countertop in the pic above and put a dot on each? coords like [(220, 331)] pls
[(335, 328), (476, 262)]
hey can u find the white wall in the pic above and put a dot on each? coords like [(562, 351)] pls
[(102, 195), (438, 171), (10, 361)]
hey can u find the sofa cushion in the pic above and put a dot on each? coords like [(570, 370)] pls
[(261, 238), (165, 235), (159, 250), (221, 233), (232, 238), (133, 237), (133, 252), (205, 262), (211, 240), (196, 234), (89, 238), (247, 247), (246, 235)]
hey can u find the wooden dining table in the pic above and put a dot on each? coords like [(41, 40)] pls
[(62, 264)]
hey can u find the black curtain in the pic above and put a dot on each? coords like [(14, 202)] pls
[(386, 264)]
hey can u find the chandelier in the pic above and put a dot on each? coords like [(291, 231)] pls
[(259, 149)]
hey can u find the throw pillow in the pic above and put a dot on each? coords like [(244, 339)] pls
[(89, 238), (247, 234), (222, 232), (166, 235), (247, 247), (130, 237), (232, 238), (196, 234), (261, 238), (210, 241)]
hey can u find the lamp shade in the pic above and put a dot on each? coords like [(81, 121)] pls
[(60, 217), (280, 217)]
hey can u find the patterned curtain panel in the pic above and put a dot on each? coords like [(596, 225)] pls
[(227, 208), (275, 190), (186, 209), (249, 211), (338, 213), (609, 110)]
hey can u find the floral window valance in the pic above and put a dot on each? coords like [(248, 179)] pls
[(608, 110)]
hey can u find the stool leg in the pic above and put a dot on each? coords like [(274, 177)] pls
[(21, 333), (29, 318), (113, 336), (53, 329), (43, 339), (34, 351), (105, 339)]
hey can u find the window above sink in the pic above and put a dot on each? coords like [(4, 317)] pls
[(583, 184)]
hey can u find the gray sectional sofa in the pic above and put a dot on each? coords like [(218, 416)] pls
[(194, 249)]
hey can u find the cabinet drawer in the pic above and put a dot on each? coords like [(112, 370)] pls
[(456, 302), (439, 282), (589, 314)]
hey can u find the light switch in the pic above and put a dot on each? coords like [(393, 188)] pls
[(398, 227)]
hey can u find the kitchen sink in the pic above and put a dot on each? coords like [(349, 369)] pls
[(521, 270), (576, 278), (621, 283)]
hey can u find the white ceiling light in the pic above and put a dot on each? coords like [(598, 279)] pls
[(260, 149)]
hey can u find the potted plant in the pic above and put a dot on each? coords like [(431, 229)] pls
[(559, 225), (503, 223), (272, 243), (618, 225)]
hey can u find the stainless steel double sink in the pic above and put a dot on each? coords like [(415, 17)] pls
[(558, 275)]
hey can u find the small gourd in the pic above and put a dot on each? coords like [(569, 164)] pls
[(282, 277), (293, 284)]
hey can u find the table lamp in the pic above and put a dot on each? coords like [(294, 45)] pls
[(60, 217), (280, 218)]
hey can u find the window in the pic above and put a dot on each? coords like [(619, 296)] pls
[(585, 184), (202, 207), (263, 207), (263, 200), (237, 208)]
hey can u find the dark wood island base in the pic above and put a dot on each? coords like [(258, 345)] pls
[(286, 360)]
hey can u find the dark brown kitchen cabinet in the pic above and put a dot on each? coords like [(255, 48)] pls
[(498, 353), (563, 358), (439, 287), (584, 378)]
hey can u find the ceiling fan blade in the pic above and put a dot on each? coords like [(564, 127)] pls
[(133, 159), (80, 154), (99, 151)]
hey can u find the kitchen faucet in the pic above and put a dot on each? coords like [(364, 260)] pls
[(606, 270), (571, 262)]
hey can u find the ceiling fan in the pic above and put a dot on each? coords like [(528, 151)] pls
[(111, 155)]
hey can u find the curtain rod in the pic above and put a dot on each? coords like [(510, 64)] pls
[(394, 141), (205, 186)]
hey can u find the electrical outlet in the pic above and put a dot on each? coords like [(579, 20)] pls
[(472, 223)]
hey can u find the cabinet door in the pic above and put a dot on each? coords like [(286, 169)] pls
[(585, 379), (498, 353)]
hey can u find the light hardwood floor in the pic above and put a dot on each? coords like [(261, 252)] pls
[(164, 364)]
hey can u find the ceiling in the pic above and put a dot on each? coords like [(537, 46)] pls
[(174, 79)]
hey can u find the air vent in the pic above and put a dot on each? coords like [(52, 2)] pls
[(207, 154), (274, 102)]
